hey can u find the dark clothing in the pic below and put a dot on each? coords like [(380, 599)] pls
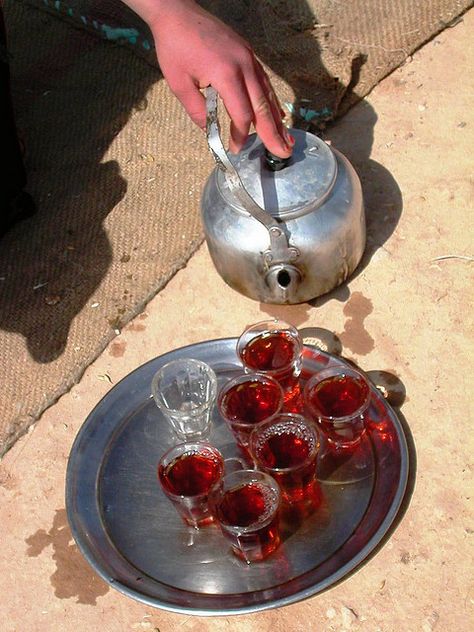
[(15, 203)]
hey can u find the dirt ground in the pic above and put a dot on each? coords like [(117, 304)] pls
[(406, 311)]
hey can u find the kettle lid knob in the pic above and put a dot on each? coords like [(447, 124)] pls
[(275, 163)]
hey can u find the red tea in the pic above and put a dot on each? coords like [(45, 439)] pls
[(284, 450), (250, 505), (251, 401), (247, 400), (270, 351), (288, 451), (277, 352), (339, 396), (339, 403), (190, 474)]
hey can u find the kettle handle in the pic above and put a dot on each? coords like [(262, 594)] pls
[(279, 251)]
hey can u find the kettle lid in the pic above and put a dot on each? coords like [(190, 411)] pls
[(301, 186)]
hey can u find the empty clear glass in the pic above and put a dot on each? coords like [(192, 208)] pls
[(185, 391)]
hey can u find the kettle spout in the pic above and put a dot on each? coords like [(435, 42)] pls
[(283, 281)]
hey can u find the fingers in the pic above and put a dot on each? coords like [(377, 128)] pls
[(269, 92), (236, 102), (248, 99), (192, 100), (239, 108), (268, 114), (235, 98)]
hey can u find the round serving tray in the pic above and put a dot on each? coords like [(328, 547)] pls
[(132, 536)]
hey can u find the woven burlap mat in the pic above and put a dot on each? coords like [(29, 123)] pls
[(116, 167)]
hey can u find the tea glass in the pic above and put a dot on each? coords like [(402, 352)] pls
[(338, 398), (286, 447), (274, 348), (246, 505), (187, 472), (247, 400), (185, 391)]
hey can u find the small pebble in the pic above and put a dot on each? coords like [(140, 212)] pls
[(52, 299)]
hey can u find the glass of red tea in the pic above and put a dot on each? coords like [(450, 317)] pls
[(246, 505), (274, 348), (246, 400), (338, 399), (286, 447), (187, 472), (185, 391)]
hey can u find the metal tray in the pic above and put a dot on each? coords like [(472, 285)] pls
[(133, 538)]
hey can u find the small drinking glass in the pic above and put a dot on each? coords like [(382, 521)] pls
[(187, 471), (274, 348), (246, 505), (185, 391), (247, 400), (338, 398), (286, 447)]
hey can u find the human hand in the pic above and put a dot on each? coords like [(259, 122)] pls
[(195, 50)]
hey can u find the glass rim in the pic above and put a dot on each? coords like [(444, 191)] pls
[(202, 444), (193, 412), (252, 331), (265, 479), (304, 421), (334, 371), (254, 376), (268, 322)]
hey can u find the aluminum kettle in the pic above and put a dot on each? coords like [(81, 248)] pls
[(282, 231)]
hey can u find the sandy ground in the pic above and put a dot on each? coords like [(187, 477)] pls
[(406, 311)]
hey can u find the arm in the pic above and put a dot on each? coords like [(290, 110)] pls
[(194, 50)]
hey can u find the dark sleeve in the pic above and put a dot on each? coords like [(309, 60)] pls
[(15, 203)]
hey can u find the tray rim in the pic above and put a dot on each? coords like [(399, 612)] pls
[(346, 569)]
